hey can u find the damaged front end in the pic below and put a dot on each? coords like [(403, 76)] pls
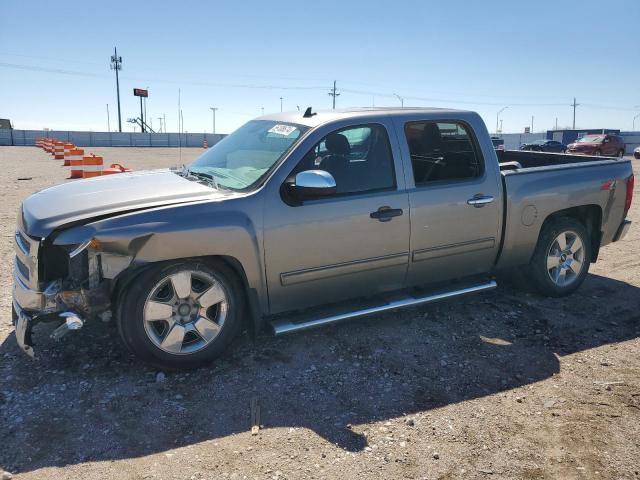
[(70, 284)]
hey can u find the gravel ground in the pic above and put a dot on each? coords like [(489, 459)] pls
[(502, 385)]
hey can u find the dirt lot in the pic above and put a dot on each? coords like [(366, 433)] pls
[(501, 385)]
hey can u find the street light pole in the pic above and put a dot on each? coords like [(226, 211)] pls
[(108, 119), (399, 98), (280, 103), (213, 110), (498, 116), (634, 122)]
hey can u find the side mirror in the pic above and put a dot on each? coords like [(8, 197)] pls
[(312, 184)]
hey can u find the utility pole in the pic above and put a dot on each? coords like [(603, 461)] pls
[(399, 98), (334, 94), (116, 64), (498, 116), (280, 103), (531, 123), (556, 123), (108, 119), (164, 122), (145, 108), (141, 116), (160, 120), (213, 110), (574, 105)]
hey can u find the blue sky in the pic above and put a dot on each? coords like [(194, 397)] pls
[(241, 56)]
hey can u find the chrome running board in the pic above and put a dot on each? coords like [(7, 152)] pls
[(283, 326)]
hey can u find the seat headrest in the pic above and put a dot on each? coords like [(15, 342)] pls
[(337, 144), (431, 137)]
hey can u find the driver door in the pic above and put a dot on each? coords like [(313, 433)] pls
[(328, 249)]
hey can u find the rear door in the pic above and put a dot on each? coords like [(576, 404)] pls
[(455, 198)]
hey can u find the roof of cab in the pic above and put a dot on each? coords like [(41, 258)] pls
[(325, 116)]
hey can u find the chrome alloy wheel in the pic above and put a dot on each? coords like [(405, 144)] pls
[(185, 312), (565, 258)]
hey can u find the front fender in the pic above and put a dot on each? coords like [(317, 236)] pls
[(230, 228)]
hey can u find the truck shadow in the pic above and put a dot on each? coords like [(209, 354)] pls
[(87, 399)]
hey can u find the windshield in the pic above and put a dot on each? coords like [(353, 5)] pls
[(243, 158), (590, 139), (538, 142)]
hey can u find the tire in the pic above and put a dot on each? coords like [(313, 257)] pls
[(181, 315), (597, 153), (560, 281), (620, 153), (637, 156)]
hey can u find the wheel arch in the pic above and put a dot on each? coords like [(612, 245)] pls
[(249, 295), (590, 216)]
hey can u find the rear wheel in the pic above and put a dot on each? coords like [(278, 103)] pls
[(181, 315), (560, 262)]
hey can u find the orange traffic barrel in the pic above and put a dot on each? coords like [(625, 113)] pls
[(67, 148), (58, 151), (47, 145), (91, 166), (115, 168), (205, 144), (75, 162)]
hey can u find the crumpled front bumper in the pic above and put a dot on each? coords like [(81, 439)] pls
[(23, 323)]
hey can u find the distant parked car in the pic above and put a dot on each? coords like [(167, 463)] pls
[(544, 146), (498, 143), (636, 153), (598, 144)]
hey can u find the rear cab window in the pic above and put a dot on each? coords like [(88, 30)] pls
[(443, 151)]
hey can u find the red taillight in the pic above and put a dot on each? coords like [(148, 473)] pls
[(629, 197)]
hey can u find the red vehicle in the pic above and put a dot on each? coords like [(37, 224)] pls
[(598, 144)]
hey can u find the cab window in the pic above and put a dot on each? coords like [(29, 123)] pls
[(359, 159), (442, 151)]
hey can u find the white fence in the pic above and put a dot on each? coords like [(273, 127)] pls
[(110, 139)]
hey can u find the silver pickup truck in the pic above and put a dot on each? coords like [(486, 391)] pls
[(300, 219)]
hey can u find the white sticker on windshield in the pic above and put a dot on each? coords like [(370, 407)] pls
[(282, 129)]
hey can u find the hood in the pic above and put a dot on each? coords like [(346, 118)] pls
[(81, 200), (583, 146)]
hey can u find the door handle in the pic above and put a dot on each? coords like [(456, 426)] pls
[(480, 200), (384, 214)]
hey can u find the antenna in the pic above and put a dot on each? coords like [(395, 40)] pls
[(308, 113)]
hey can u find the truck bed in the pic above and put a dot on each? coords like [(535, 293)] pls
[(530, 159), (538, 184)]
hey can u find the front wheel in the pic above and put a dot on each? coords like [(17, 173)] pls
[(181, 315), (560, 262)]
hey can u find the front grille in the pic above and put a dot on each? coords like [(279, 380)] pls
[(22, 268), (22, 242), (26, 249)]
